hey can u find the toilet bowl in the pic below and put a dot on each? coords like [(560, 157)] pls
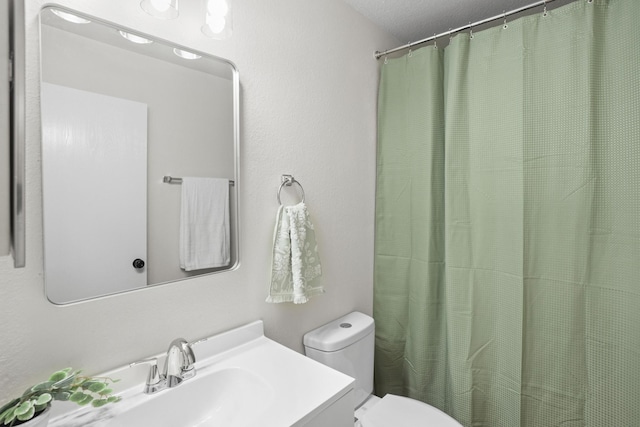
[(347, 345), (399, 411)]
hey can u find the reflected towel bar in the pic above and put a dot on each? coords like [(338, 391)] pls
[(171, 179)]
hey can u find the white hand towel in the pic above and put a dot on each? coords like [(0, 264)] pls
[(296, 264), (204, 224)]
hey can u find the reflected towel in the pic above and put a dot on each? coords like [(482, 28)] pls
[(204, 224), (296, 265)]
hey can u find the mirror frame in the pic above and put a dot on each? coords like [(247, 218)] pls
[(17, 126), (234, 205)]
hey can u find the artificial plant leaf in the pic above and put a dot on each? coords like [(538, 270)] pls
[(43, 399), (8, 406), (40, 408), (64, 382), (11, 415), (113, 399), (27, 415), (4, 413), (42, 386), (77, 396), (97, 387), (61, 395), (24, 407), (99, 402), (89, 383), (87, 399), (106, 391), (58, 375)]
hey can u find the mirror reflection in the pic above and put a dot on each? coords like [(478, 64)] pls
[(120, 112)]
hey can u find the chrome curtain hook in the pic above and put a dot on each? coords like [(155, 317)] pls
[(544, 11), (386, 59), (410, 51), (470, 30), (450, 29), (435, 41), (504, 16)]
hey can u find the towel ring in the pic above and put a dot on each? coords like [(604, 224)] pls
[(289, 180)]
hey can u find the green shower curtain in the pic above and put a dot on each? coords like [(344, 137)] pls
[(507, 259)]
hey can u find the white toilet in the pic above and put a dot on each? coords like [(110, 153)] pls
[(347, 345)]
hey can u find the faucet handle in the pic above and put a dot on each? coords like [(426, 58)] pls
[(154, 381)]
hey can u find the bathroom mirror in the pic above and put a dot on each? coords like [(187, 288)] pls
[(121, 113)]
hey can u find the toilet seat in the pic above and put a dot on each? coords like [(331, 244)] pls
[(398, 411)]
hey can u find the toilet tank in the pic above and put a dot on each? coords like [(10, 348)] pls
[(347, 345)]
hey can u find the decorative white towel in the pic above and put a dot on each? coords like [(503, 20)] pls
[(296, 264), (204, 223)]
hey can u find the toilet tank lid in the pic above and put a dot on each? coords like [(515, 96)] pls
[(340, 333)]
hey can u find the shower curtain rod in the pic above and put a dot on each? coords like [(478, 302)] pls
[(377, 54)]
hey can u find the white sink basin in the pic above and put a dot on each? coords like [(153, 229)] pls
[(243, 379), (228, 397)]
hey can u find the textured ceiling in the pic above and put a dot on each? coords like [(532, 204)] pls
[(412, 20)]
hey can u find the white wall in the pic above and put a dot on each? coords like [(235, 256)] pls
[(309, 87)]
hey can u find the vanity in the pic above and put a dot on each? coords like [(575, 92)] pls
[(242, 379)]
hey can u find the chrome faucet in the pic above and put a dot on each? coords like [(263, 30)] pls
[(178, 366)]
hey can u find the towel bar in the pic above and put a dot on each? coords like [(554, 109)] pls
[(171, 179), (289, 180)]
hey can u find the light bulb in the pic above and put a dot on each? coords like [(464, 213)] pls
[(70, 17), (216, 23), (185, 55), (218, 19), (161, 9), (161, 5), (134, 39), (217, 7)]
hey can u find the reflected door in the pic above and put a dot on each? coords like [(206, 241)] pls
[(94, 161)]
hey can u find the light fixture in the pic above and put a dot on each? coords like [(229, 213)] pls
[(70, 17), (134, 39), (162, 9), (185, 55), (218, 22)]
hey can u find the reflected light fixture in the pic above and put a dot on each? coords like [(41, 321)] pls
[(161, 9), (185, 55), (134, 39), (70, 17), (217, 23)]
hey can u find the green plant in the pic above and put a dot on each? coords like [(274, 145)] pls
[(62, 385)]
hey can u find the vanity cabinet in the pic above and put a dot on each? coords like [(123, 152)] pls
[(339, 414)]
